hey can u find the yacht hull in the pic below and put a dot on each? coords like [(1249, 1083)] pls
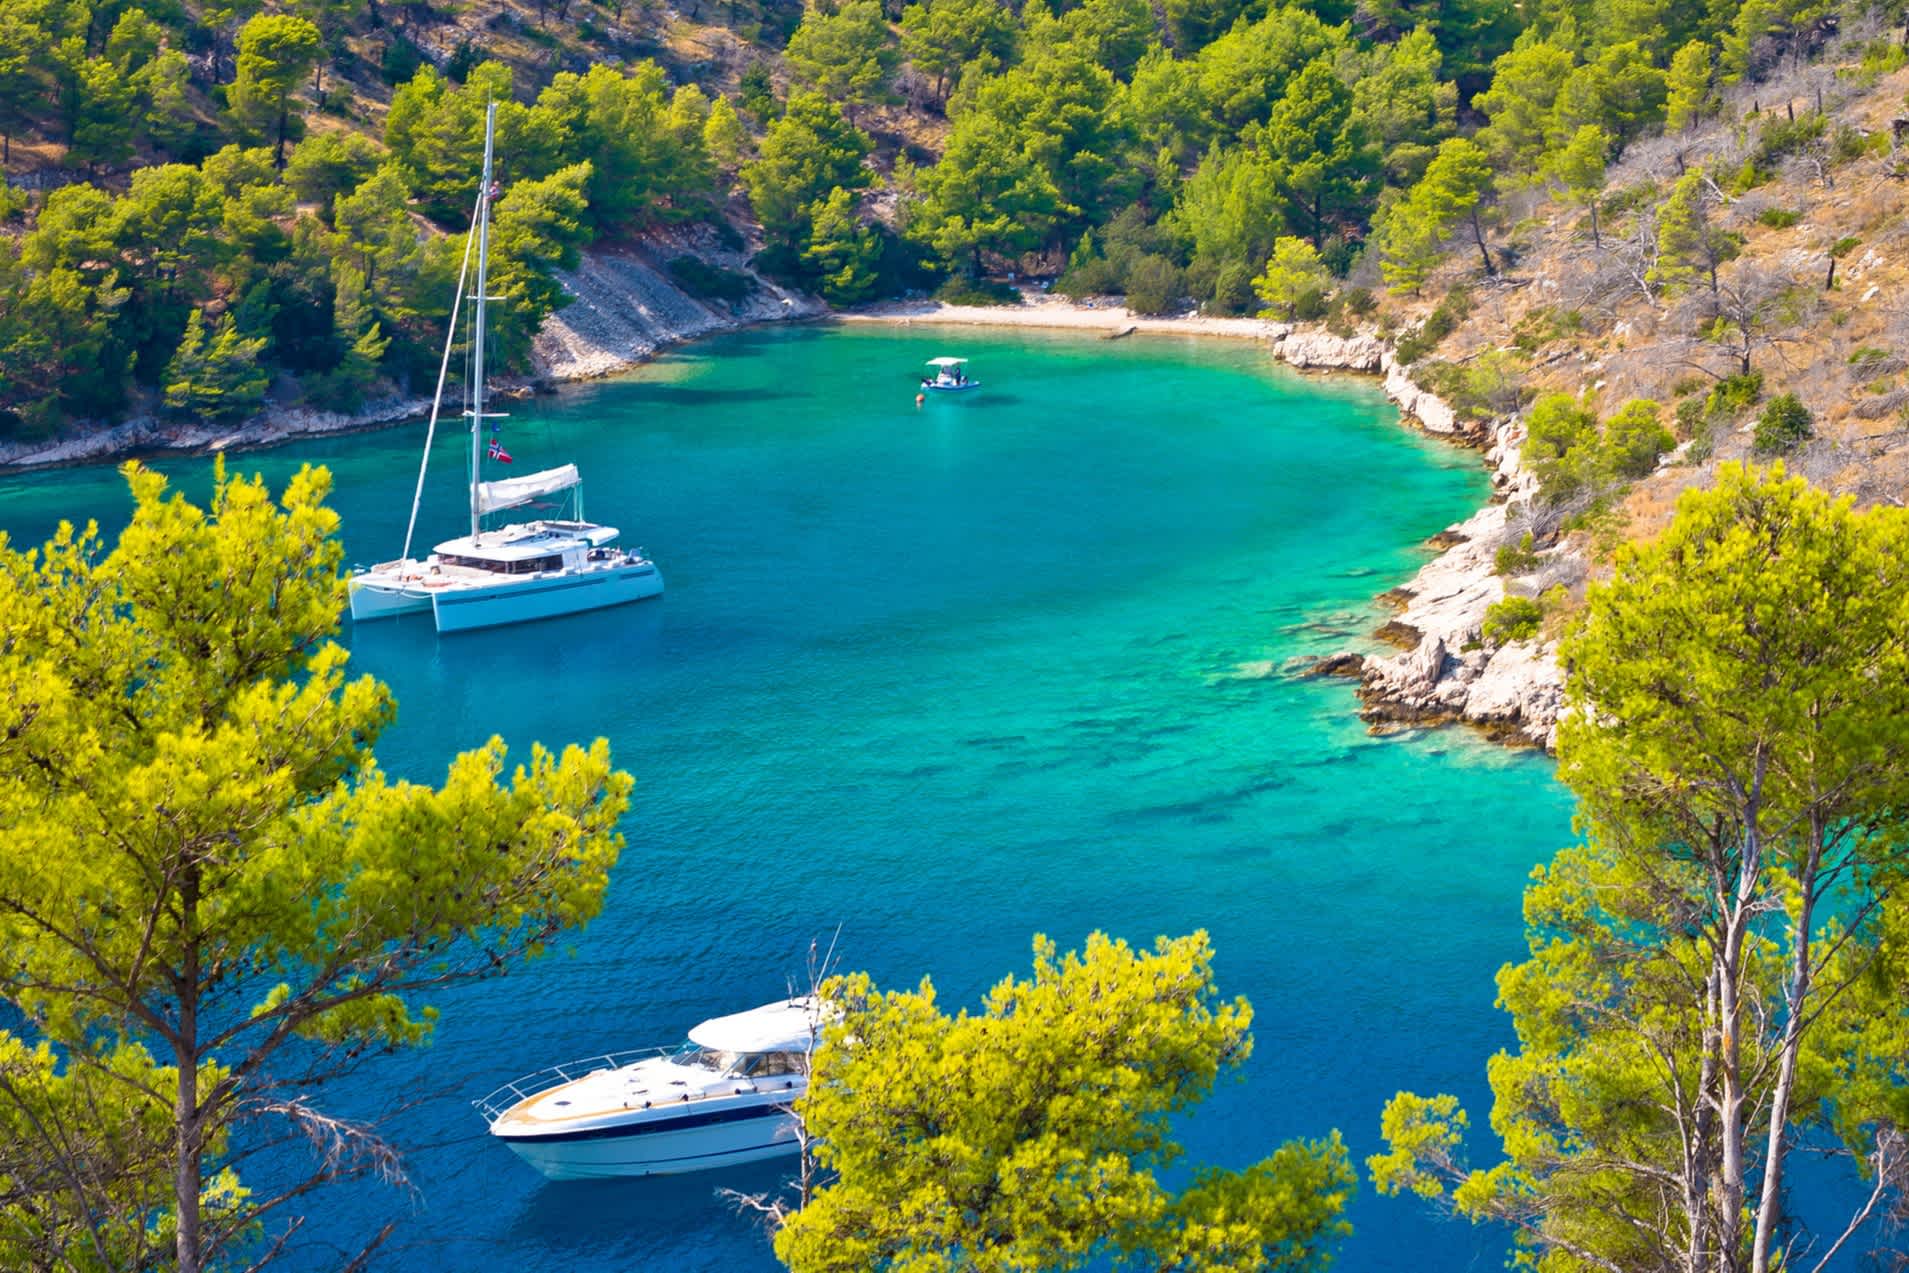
[(467, 609), (373, 598), (700, 1142)]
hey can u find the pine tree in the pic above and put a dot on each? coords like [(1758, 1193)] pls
[(724, 135), (363, 341), (1579, 166), (218, 378), (845, 53), (1690, 98), (276, 52), (841, 253), (1408, 243), (1292, 272), (1325, 160), (1689, 247), (101, 114)]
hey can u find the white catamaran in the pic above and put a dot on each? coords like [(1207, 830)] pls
[(516, 571)]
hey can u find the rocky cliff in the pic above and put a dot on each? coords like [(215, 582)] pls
[(626, 307)]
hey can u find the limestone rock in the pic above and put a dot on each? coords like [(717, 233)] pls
[(1344, 663), (1521, 685), (1427, 408), (1313, 347), (625, 308)]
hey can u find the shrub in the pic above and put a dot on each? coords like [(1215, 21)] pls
[(1634, 438), (1690, 417), (1561, 444), (1311, 305), (1733, 395), (959, 290), (1155, 286), (1784, 424), (400, 62), (1848, 144), (1513, 619), (1095, 277), (1778, 218), (1543, 325), (1781, 138), (1516, 559), (1233, 291), (465, 56), (1360, 302)]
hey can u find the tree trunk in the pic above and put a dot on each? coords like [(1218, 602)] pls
[(1830, 282), (1730, 1185), (1738, 914), (188, 1126), (1318, 222), (1769, 1207), (284, 117), (1700, 1158), (1596, 242), (318, 84), (1478, 232)]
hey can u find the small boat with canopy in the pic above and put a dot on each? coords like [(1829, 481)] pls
[(949, 375)]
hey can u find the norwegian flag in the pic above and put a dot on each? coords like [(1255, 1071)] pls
[(497, 452)]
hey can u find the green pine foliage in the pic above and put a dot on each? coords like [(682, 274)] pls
[(929, 1128), (215, 377), (1182, 141), (1784, 425), (1721, 950)]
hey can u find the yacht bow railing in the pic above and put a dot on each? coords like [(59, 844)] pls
[(496, 1103)]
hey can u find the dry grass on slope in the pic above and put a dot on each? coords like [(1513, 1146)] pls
[(1579, 317)]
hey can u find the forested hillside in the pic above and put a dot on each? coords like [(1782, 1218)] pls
[(209, 206)]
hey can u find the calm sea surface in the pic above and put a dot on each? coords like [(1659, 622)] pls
[(948, 678)]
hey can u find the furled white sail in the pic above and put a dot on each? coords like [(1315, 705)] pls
[(510, 492)]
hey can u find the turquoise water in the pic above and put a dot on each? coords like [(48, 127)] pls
[(948, 678)]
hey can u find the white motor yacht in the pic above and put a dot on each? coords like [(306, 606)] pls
[(507, 573), (721, 1099)]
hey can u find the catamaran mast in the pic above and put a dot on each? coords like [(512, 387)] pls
[(483, 295)]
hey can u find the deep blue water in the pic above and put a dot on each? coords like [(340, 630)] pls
[(948, 678)]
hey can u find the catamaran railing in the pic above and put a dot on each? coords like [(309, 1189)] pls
[(494, 1105)]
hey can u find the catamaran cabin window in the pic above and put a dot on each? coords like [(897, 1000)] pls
[(525, 566)]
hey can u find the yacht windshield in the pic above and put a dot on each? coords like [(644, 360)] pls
[(695, 1057)]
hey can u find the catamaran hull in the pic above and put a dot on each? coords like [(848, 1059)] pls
[(703, 1143), (379, 600), (467, 609)]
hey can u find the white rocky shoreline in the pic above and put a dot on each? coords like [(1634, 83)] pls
[(626, 308), (1446, 672)]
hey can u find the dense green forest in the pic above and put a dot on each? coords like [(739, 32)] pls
[(210, 203)]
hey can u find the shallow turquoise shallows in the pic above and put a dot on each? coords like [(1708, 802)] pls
[(947, 678)]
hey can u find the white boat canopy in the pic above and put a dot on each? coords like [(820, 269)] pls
[(784, 1026), (510, 492), (946, 362)]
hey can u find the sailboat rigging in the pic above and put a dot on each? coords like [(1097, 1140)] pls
[(516, 571)]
